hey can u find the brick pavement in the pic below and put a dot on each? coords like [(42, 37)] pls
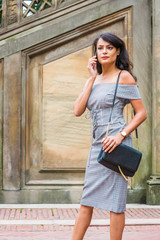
[(26, 231), (64, 233), (71, 213)]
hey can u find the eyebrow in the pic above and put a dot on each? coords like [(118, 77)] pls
[(106, 45)]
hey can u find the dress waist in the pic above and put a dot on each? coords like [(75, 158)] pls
[(101, 117)]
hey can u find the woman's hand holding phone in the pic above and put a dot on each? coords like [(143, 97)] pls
[(92, 66), (81, 102)]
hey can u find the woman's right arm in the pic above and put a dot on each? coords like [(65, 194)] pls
[(81, 102)]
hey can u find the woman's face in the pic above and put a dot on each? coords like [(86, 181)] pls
[(106, 52)]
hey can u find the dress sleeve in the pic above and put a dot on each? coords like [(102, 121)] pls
[(128, 92)]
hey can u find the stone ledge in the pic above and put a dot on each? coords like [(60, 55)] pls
[(153, 190), (56, 196)]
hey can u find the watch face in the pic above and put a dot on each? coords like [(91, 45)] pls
[(124, 133)]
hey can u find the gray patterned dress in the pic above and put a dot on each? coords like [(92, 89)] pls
[(104, 188)]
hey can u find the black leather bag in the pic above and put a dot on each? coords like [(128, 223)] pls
[(126, 157), (123, 159)]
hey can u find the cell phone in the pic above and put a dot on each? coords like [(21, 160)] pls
[(96, 53), (96, 57)]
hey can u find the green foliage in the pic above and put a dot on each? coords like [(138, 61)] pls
[(38, 4), (0, 11)]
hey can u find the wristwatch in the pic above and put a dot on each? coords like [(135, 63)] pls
[(123, 133)]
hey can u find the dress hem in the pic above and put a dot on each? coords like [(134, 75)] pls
[(103, 208)]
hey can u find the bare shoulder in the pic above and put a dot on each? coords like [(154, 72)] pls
[(126, 78)]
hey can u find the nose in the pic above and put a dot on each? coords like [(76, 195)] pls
[(104, 50)]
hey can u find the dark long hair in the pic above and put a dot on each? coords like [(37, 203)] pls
[(122, 62)]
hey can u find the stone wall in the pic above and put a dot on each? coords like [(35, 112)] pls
[(40, 40), (153, 184), (12, 11)]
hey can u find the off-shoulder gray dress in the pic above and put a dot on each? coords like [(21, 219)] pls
[(104, 188)]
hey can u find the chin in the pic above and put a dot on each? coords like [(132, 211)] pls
[(107, 61), (104, 61)]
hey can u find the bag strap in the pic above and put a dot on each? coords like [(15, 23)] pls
[(136, 128), (115, 93), (113, 103), (114, 96)]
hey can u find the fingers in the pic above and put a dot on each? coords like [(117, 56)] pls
[(92, 60), (92, 66), (106, 141), (109, 144), (114, 146)]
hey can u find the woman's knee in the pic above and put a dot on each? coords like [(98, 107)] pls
[(86, 209), (117, 214)]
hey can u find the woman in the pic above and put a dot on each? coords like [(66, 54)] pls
[(104, 188)]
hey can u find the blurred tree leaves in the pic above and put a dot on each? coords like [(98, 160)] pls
[(0, 11)]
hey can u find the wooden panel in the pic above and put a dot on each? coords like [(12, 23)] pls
[(65, 138)]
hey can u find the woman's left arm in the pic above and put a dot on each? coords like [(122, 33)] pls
[(111, 142), (140, 116)]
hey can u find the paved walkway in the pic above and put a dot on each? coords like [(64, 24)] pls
[(53, 221)]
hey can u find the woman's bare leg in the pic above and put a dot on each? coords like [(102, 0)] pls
[(82, 222), (117, 223)]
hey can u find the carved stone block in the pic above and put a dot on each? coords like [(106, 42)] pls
[(12, 12), (12, 2)]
